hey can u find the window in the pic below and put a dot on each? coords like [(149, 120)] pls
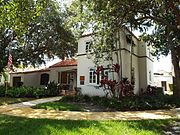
[(44, 79), (67, 77), (96, 78), (88, 46), (150, 78), (92, 76), (17, 81)]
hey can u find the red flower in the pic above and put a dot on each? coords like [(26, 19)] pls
[(99, 69), (116, 67)]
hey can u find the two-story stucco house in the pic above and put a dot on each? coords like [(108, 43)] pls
[(137, 62)]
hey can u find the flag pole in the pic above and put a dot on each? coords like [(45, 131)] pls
[(9, 68)]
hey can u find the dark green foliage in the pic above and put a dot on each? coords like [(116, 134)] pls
[(30, 92), (15, 18), (135, 103), (2, 91), (36, 32), (25, 92), (52, 89), (76, 98)]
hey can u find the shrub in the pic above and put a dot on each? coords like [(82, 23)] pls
[(30, 92), (52, 89), (134, 103), (2, 91), (38, 92)]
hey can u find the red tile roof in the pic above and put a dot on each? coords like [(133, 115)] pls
[(65, 63)]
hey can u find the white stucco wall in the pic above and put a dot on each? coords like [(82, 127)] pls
[(28, 79), (145, 66), (159, 78), (141, 65), (84, 64)]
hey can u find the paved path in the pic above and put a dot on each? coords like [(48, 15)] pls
[(24, 109)]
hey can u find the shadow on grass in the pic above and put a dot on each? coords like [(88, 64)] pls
[(10, 125), (150, 125), (7, 100)]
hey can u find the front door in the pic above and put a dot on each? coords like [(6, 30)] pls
[(67, 79)]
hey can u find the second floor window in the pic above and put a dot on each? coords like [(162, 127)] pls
[(88, 46)]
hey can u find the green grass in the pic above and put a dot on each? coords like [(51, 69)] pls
[(10, 125), (59, 106), (4, 101)]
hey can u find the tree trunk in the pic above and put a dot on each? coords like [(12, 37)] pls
[(176, 78)]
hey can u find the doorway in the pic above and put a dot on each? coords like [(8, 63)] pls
[(164, 85)]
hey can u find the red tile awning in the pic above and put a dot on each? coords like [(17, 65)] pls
[(65, 63)]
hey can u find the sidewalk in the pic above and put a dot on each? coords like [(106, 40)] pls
[(24, 110)]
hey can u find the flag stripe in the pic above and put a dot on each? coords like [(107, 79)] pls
[(9, 61)]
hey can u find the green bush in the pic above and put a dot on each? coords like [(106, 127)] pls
[(2, 91), (30, 92), (52, 89), (134, 103)]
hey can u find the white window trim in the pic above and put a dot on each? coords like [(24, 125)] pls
[(89, 76)]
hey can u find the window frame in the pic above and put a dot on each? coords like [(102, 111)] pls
[(93, 76), (42, 80), (88, 46), (99, 77)]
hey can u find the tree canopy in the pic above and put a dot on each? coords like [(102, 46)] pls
[(41, 33)]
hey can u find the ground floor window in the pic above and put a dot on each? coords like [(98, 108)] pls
[(17, 81), (95, 78), (44, 79), (92, 76)]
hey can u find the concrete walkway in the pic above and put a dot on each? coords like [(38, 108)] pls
[(24, 110)]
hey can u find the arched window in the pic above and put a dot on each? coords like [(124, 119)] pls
[(44, 79)]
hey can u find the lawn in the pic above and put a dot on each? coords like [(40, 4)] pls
[(10, 125), (4, 101), (59, 106)]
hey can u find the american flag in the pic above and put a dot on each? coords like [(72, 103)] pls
[(10, 62)]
